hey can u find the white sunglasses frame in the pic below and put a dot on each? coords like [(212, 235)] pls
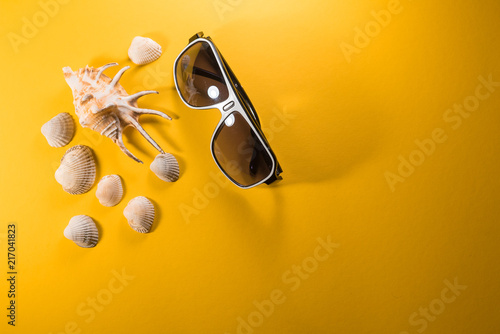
[(237, 101)]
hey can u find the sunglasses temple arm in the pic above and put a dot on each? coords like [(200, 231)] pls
[(276, 176)]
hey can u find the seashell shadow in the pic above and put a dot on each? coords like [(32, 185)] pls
[(124, 188), (98, 173), (182, 165), (161, 132), (260, 227), (158, 215), (100, 230)]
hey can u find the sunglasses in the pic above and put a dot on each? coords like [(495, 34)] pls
[(204, 80)]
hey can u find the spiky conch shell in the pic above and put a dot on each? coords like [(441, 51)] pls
[(109, 190), (103, 105), (82, 231), (77, 171), (144, 50), (59, 130), (166, 167), (140, 214)]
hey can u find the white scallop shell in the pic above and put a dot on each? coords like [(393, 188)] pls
[(144, 50), (140, 213), (77, 171), (59, 130), (109, 190), (166, 167), (82, 230)]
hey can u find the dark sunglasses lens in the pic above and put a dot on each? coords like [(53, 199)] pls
[(199, 77), (240, 151)]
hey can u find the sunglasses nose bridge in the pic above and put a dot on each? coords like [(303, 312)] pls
[(228, 106)]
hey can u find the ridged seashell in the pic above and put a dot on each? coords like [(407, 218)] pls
[(103, 105), (144, 50), (109, 190), (59, 130), (166, 167), (77, 171), (82, 230), (140, 213)]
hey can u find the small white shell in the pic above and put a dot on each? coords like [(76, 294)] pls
[(140, 213), (144, 50), (77, 171), (59, 130), (166, 167), (82, 230), (109, 190)]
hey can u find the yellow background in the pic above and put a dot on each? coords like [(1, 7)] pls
[(348, 124)]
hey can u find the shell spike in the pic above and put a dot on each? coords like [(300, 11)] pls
[(103, 68), (106, 107), (136, 96), (67, 71), (87, 71), (143, 132), (140, 111), (119, 142), (118, 76)]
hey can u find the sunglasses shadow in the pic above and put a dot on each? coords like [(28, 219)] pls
[(260, 230), (320, 129)]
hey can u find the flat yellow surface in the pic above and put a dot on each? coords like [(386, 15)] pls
[(385, 116)]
